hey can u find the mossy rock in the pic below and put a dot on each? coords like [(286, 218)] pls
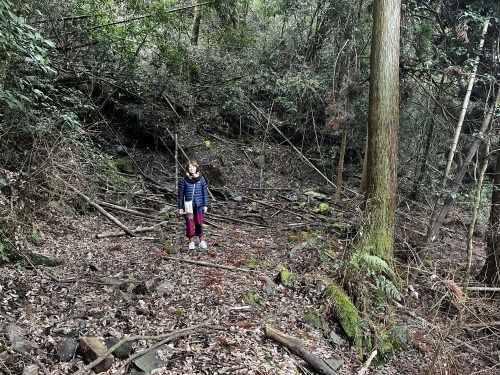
[(42, 260), (170, 248), (124, 165), (313, 320), (391, 341)]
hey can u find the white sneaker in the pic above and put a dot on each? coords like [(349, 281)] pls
[(191, 246), (203, 245)]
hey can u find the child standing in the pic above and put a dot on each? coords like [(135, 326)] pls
[(193, 187)]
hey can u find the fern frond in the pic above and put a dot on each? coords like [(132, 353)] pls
[(388, 287)]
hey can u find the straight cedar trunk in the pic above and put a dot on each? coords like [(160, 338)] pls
[(491, 269), (383, 124), (193, 74)]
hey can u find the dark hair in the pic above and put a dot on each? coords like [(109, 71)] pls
[(194, 163)]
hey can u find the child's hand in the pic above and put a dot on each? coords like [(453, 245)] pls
[(181, 211), (205, 209)]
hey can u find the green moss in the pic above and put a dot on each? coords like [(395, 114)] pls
[(323, 208), (124, 165), (347, 315), (254, 299), (284, 276), (313, 319), (389, 341), (178, 312)]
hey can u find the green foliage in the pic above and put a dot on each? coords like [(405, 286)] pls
[(285, 275), (24, 58), (254, 299), (124, 165), (323, 208), (373, 267), (4, 256), (178, 312)]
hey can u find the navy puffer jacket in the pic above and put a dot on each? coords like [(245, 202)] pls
[(185, 192)]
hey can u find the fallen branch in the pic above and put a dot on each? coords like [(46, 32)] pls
[(134, 231), (363, 370), (220, 217), (97, 207), (159, 344), (295, 148), (166, 338), (263, 188), (296, 347), (127, 210), (277, 208), (483, 289), (482, 325)]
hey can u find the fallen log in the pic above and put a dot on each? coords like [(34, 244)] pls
[(296, 347)]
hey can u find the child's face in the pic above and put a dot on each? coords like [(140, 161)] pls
[(191, 169)]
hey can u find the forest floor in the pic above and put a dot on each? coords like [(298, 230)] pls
[(204, 311)]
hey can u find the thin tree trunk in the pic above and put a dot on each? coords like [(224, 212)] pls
[(428, 142), (341, 163), (362, 184), (465, 104), (475, 209), (440, 211), (490, 272)]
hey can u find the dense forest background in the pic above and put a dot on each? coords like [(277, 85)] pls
[(87, 84)]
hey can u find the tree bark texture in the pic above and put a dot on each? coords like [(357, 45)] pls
[(383, 124)]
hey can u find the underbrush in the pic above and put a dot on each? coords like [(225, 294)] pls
[(58, 177)]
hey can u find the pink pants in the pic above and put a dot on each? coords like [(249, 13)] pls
[(194, 224)]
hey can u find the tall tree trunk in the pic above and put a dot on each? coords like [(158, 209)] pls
[(491, 269), (383, 124), (441, 210), (465, 104), (193, 69)]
